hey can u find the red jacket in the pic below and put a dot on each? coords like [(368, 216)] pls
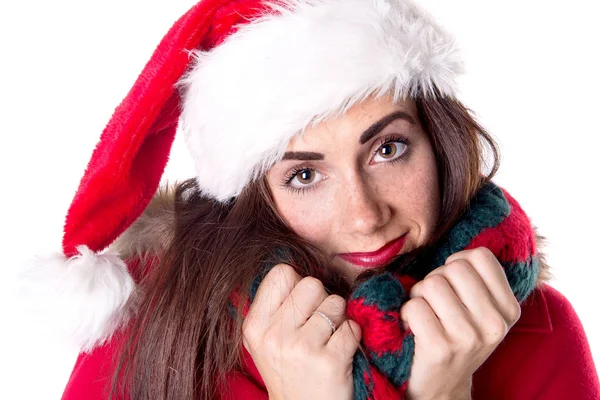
[(545, 355)]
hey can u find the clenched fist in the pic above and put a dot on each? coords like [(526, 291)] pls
[(293, 348), (459, 314)]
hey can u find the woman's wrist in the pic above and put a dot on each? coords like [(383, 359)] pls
[(462, 392), (458, 395)]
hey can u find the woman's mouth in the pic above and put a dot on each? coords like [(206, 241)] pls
[(378, 257)]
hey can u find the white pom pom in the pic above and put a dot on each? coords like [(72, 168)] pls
[(82, 296)]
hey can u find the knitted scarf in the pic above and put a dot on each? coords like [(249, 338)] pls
[(493, 220)]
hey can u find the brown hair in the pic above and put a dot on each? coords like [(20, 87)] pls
[(184, 340)]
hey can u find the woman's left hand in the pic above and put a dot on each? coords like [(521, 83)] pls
[(459, 313)]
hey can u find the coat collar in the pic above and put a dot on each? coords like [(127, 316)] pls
[(535, 316)]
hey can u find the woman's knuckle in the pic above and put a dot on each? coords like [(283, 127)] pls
[(248, 327), (249, 333), (302, 349), (312, 284), (414, 307), (514, 313), (282, 271), (459, 267), (336, 302), (496, 330), (408, 308), (471, 340), (482, 251), (486, 257), (417, 304), (282, 276), (433, 284), (272, 338), (440, 352)]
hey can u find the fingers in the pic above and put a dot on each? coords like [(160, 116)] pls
[(461, 280), (283, 313), (424, 323), (272, 292), (492, 274), (316, 328), (452, 314), (346, 339), (460, 297), (303, 300)]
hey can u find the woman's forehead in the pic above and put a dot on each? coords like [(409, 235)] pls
[(356, 124)]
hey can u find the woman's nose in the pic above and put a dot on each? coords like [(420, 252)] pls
[(366, 210)]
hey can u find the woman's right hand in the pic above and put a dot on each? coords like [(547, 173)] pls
[(292, 348)]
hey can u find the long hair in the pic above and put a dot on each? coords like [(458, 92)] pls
[(183, 340)]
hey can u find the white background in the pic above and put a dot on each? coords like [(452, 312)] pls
[(532, 80)]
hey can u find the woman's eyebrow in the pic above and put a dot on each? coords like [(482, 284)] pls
[(373, 130), (378, 126), (303, 155)]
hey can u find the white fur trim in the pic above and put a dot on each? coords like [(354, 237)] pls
[(300, 64), (82, 296)]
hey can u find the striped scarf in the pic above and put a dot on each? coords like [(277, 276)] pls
[(493, 220)]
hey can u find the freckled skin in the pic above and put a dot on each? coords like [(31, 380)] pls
[(358, 203)]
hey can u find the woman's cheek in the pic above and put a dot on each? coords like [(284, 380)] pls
[(424, 201), (309, 218)]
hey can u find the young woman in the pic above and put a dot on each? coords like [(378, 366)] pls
[(340, 240)]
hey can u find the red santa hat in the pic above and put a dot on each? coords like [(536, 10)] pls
[(240, 79)]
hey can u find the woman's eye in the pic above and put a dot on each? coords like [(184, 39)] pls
[(389, 151), (305, 177)]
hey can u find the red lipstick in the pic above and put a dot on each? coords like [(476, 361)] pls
[(378, 257)]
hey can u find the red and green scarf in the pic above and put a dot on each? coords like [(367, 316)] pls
[(493, 220)]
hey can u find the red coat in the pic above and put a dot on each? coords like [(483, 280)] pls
[(545, 355)]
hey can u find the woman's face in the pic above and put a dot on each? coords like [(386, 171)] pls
[(366, 182)]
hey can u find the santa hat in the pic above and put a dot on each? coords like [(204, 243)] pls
[(241, 78)]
